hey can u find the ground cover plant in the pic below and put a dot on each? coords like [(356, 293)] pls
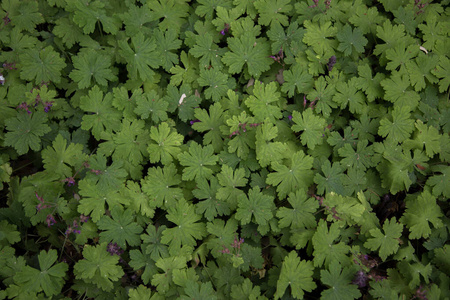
[(232, 149)]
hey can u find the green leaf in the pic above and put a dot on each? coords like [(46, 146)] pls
[(210, 206), (94, 199), (302, 212), (152, 242), (257, 207), (351, 40), (151, 105), (137, 19), (106, 178), (386, 242), (120, 229), (368, 83), (25, 131), (297, 80), (98, 267), (422, 68), (333, 179), (265, 102), (161, 185), (312, 127), (139, 260), (141, 57), (90, 64), (25, 15), (401, 126), (172, 13), (339, 281), (392, 35), (400, 55), (249, 51), (167, 41), (49, 278), (271, 12), (267, 151), (68, 31), (222, 235), (297, 274), (187, 229), (195, 290), (61, 159), (360, 159), (347, 94), (165, 145), (209, 53), (398, 91), (231, 180), (196, 162), (440, 183), (320, 37), (163, 281), (103, 116), (212, 124), (246, 291), (366, 19), (325, 251), (128, 144), (8, 234), (88, 14), (419, 213), (322, 95), (215, 82), (290, 179), (126, 103), (140, 202), (442, 70), (41, 66)]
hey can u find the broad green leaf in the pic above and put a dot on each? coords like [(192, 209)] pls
[(401, 126), (165, 145), (419, 213), (196, 162), (296, 274), (102, 115), (257, 207), (290, 179), (120, 228), (98, 267), (311, 127), (339, 281), (325, 250), (49, 278), (187, 229), (387, 241), (41, 66), (161, 186), (91, 64), (25, 131), (351, 41), (141, 58), (249, 51), (265, 102), (301, 212), (62, 158)]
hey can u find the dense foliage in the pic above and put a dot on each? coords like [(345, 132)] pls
[(224, 149)]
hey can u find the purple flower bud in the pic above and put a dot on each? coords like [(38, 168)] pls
[(360, 279), (50, 220), (290, 117), (84, 218)]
